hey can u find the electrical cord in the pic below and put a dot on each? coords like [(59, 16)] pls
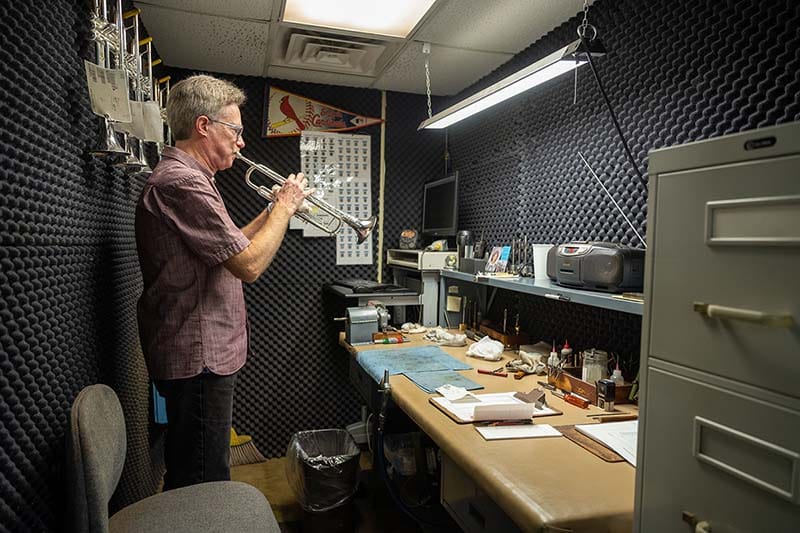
[(369, 434), (379, 456), (585, 45)]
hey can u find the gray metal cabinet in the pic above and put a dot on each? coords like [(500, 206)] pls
[(719, 432)]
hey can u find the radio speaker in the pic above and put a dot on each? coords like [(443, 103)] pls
[(598, 266)]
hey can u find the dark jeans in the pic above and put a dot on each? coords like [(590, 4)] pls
[(198, 429)]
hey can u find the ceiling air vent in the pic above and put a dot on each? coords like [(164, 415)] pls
[(332, 54)]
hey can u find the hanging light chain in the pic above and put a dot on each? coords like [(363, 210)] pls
[(426, 49), (585, 23), (428, 86), (584, 28)]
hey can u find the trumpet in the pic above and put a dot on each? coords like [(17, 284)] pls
[(334, 217)]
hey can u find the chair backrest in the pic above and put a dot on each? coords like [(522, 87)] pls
[(96, 449)]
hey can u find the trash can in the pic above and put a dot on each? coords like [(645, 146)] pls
[(322, 468)]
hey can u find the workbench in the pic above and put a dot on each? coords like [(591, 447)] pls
[(545, 484)]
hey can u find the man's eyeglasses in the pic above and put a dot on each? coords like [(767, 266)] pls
[(238, 130)]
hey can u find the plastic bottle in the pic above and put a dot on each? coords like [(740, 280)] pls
[(616, 377), (566, 353), (553, 360)]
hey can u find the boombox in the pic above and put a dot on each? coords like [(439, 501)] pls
[(598, 266)]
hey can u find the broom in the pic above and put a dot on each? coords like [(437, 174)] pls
[(244, 451)]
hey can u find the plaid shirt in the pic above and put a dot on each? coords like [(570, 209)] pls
[(191, 312)]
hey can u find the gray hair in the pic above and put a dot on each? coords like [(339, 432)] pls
[(196, 96)]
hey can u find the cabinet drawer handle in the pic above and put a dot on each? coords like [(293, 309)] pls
[(746, 315)]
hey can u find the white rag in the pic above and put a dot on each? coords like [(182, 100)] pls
[(486, 348)]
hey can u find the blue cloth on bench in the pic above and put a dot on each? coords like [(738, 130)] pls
[(402, 360), (430, 381)]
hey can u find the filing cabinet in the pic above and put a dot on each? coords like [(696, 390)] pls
[(719, 431)]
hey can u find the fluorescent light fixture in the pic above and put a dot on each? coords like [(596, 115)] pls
[(366, 16), (547, 68)]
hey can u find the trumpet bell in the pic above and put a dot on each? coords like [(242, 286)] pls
[(130, 163), (144, 169), (109, 146), (362, 227)]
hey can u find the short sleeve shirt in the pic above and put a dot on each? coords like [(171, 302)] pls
[(191, 313)]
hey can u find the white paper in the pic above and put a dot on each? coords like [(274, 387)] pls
[(153, 125), (496, 406), (456, 394), (108, 92), (137, 124), (619, 436), (522, 431), (503, 411)]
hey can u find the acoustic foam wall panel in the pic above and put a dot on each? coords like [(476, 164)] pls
[(70, 277), (675, 72)]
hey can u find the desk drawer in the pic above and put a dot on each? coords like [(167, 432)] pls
[(706, 447), (364, 384), (729, 236), (469, 506)]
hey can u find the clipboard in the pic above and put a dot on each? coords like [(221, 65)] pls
[(464, 412)]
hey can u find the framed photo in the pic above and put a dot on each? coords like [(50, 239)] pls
[(498, 259)]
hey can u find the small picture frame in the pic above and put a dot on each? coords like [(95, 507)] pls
[(498, 259)]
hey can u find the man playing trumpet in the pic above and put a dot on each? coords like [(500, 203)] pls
[(192, 319)]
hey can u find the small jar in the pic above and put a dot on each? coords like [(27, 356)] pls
[(595, 365)]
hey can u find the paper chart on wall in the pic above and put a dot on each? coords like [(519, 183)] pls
[(338, 166)]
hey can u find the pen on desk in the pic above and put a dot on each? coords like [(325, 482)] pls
[(524, 422), (618, 418), (559, 297), (615, 413)]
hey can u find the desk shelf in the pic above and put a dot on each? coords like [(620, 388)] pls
[(550, 289)]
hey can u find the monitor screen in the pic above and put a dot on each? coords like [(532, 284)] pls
[(440, 207)]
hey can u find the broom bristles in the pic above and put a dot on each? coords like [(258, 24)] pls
[(245, 454), (243, 451)]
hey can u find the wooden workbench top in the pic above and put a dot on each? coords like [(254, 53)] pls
[(537, 482)]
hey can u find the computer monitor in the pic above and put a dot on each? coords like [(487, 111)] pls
[(440, 207)]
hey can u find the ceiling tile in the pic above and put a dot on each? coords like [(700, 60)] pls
[(508, 26), (470, 39), (452, 69), (247, 9), (315, 76), (207, 43)]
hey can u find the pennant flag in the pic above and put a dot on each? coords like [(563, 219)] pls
[(290, 114)]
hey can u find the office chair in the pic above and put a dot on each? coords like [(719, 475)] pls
[(96, 447)]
